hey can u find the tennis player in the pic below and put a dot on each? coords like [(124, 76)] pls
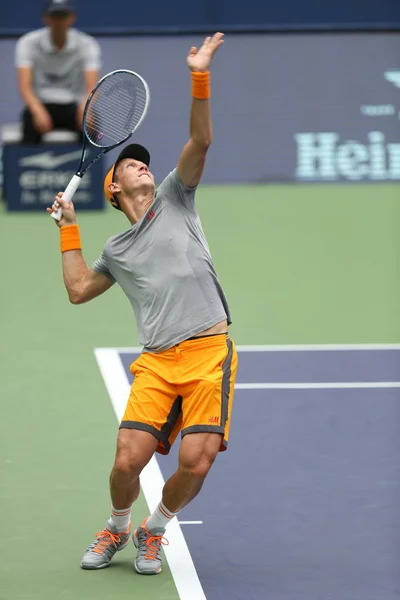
[(184, 379)]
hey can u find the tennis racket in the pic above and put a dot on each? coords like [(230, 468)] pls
[(114, 110)]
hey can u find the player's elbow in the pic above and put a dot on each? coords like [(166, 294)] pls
[(207, 138), (75, 296), (75, 299), (206, 143), (202, 142)]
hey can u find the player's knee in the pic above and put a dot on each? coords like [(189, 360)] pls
[(129, 462), (134, 450), (197, 466), (198, 453)]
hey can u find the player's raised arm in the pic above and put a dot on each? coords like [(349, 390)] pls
[(192, 159), (82, 284)]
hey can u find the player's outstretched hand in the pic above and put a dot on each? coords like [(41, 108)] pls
[(200, 60), (68, 216)]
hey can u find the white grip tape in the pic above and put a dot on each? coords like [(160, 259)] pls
[(68, 194)]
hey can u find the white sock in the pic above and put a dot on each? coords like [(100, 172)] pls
[(160, 517), (121, 518)]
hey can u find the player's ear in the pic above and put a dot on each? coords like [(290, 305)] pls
[(114, 188)]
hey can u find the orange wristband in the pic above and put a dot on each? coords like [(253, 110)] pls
[(201, 88), (70, 238)]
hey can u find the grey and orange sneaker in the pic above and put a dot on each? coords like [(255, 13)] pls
[(100, 552), (148, 542)]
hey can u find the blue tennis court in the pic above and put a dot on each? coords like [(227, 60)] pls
[(305, 502)]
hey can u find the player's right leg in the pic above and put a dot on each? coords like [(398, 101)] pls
[(134, 450), (151, 421)]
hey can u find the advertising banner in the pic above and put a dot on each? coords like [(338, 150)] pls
[(296, 108), (361, 139), (323, 108), (33, 175)]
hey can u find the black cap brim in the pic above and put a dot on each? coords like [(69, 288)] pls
[(135, 151)]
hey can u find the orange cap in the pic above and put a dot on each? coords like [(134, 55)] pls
[(108, 179)]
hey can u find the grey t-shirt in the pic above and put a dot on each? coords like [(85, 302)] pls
[(164, 266), (58, 75)]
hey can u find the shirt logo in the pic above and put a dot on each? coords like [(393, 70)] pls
[(150, 215), (214, 420)]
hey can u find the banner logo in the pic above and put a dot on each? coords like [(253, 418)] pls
[(47, 160), (326, 156)]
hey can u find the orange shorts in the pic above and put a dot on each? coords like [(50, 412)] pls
[(188, 388)]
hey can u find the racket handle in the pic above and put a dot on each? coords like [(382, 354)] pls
[(68, 194)]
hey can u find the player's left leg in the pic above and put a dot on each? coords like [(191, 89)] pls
[(208, 371), (196, 456)]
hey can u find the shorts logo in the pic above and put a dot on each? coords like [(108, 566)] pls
[(150, 215), (214, 420)]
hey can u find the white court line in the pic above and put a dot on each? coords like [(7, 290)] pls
[(292, 348), (178, 556), (318, 386), (317, 347), (273, 386), (190, 522)]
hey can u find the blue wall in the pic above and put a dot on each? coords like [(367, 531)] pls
[(306, 108), (99, 16)]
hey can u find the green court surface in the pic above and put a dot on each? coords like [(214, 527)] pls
[(300, 265)]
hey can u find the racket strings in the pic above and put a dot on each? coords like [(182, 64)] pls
[(116, 126), (95, 118), (123, 103), (115, 109)]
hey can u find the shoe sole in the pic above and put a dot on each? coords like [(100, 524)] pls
[(103, 566), (94, 568), (136, 544)]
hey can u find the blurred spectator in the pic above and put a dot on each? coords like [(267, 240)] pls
[(57, 67)]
